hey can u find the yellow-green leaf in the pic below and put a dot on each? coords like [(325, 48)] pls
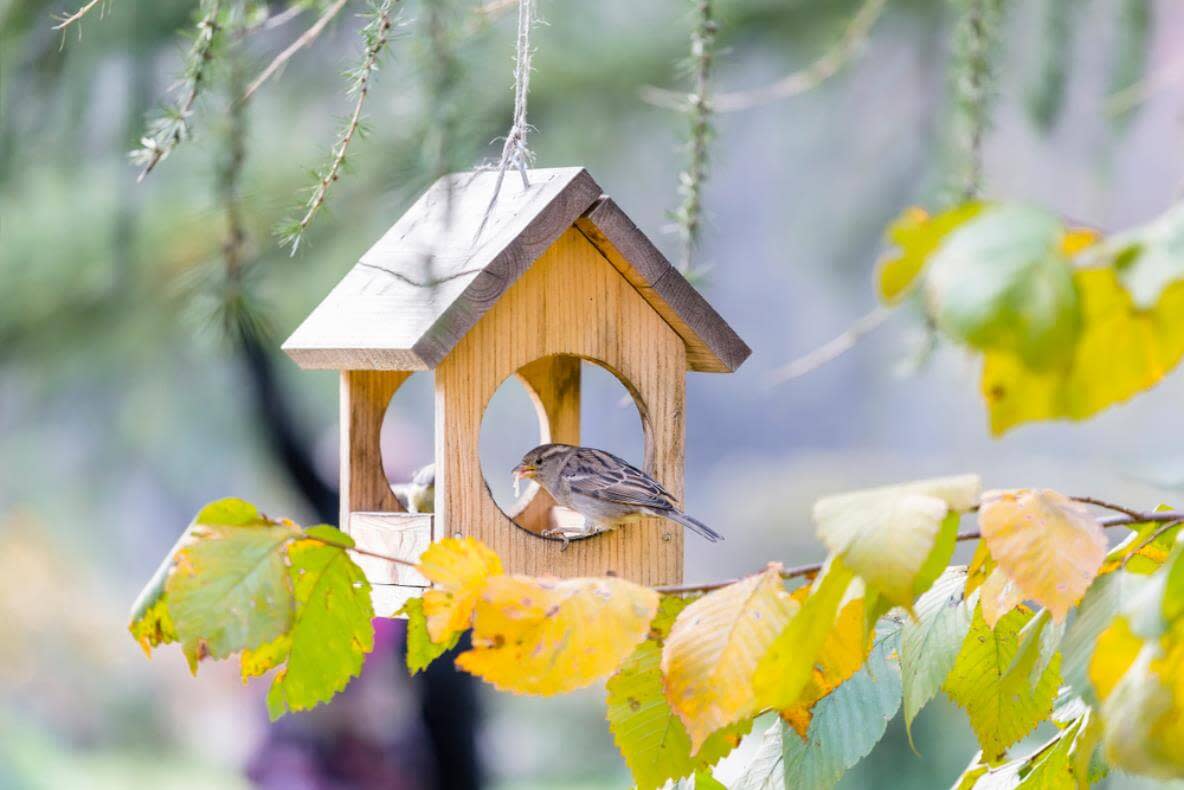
[(782, 674), (1122, 351), (887, 535), (649, 735), (460, 568), (916, 235), (331, 632), (548, 636), (421, 650), (228, 589), (1049, 545), (1003, 707), (260, 660), (712, 652)]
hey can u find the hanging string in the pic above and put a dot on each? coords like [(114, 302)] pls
[(515, 152), (689, 214)]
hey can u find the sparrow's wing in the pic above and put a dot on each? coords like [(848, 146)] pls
[(603, 476)]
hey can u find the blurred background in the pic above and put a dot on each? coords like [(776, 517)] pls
[(124, 406)]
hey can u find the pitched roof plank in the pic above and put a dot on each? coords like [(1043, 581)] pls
[(431, 277)]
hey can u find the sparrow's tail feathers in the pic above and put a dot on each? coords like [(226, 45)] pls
[(695, 525)]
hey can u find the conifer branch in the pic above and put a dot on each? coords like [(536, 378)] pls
[(376, 35), (172, 127)]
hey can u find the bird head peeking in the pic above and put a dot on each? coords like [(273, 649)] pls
[(542, 464)]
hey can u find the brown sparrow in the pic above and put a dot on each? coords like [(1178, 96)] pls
[(602, 488)]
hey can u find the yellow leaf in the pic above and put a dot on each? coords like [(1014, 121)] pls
[(783, 672), (1144, 728), (460, 568), (845, 650), (1047, 544), (916, 235), (549, 636), (998, 596), (979, 570), (712, 652), (1114, 652), (887, 535), (1121, 351), (647, 732), (1002, 706)]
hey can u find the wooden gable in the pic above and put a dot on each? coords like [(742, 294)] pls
[(417, 292)]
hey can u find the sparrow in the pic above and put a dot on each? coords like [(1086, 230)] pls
[(418, 496), (602, 488)]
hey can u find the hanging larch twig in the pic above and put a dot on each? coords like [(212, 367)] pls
[(171, 128), (376, 34), (972, 76), (689, 214)]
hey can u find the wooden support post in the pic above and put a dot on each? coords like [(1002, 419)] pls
[(553, 384), (365, 395)]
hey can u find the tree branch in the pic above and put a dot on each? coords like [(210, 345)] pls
[(305, 38), (66, 21)]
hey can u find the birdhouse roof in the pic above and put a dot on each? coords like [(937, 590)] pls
[(430, 278)]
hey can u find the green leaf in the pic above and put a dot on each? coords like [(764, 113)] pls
[(1002, 707), (228, 589), (705, 781), (648, 733), (1002, 282), (331, 631), (150, 622), (916, 235), (1148, 258), (1120, 352), (888, 535), (421, 650), (930, 644), (782, 674), (847, 723), (261, 660)]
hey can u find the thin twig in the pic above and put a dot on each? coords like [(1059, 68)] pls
[(365, 552), (1154, 536), (1137, 93), (1135, 517), (689, 214), (793, 84), (65, 22), (1089, 500), (515, 152), (831, 350), (306, 38)]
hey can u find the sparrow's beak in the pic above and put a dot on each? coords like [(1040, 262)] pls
[(524, 470)]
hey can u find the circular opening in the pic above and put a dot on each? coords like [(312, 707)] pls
[(514, 422), (407, 438)]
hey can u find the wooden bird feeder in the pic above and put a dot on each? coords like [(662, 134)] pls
[(553, 274)]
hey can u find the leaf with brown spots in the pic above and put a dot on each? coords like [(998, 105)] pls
[(549, 636)]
